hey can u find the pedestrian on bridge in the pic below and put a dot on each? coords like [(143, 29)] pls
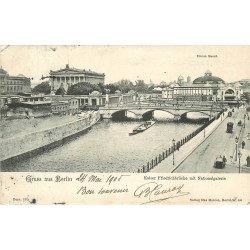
[(243, 144), (178, 145), (248, 161)]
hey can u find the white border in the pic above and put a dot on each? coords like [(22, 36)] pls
[(124, 22)]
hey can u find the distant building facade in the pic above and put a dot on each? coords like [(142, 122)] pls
[(94, 99), (167, 93), (70, 76), (60, 107), (204, 88), (71, 102), (30, 109), (7, 99), (13, 84)]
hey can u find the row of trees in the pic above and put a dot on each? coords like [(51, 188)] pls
[(43, 87), (85, 88)]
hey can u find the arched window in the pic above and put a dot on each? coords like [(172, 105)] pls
[(229, 91)]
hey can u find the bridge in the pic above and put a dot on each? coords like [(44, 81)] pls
[(142, 110)]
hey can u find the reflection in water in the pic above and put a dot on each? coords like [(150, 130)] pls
[(107, 147)]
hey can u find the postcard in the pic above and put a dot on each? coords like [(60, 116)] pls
[(125, 125)]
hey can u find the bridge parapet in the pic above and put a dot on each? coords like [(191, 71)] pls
[(140, 110)]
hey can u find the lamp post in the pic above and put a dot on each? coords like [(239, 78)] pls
[(173, 141), (236, 145), (244, 120), (239, 154)]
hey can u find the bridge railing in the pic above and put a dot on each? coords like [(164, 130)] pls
[(160, 157), (187, 106)]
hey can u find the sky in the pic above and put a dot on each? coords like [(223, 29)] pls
[(155, 63)]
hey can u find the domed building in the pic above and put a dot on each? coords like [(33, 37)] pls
[(208, 78)]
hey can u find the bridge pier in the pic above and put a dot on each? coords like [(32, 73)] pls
[(106, 114), (177, 117), (138, 117)]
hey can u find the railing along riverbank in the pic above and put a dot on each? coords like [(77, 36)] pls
[(169, 151)]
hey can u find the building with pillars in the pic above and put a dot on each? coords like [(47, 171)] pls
[(13, 84), (204, 88), (70, 76)]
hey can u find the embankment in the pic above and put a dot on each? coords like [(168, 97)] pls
[(181, 149), (24, 144)]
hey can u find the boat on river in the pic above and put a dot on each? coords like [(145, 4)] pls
[(142, 127)]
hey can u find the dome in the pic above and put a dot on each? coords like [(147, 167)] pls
[(208, 78), (180, 77)]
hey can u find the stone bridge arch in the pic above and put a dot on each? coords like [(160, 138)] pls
[(206, 113), (149, 113), (141, 112)]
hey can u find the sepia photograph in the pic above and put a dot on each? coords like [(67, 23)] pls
[(133, 109), (124, 118)]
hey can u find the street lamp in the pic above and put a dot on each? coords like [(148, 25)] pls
[(236, 144), (244, 120), (173, 141), (239, 154)]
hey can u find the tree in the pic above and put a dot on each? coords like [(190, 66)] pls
[(101, 87), (141, 86), (112, 88), (246, 96), (61, 91), (124, 85), (83, 88), (42, 88)]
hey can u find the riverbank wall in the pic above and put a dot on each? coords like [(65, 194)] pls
[(12, 148)]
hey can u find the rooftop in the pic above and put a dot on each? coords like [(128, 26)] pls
[(208, 77), (2, 71), (74, 70)]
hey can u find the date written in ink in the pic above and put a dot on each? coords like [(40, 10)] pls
[(112, 178)]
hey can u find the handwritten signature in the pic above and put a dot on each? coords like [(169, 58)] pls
[(154, 192)]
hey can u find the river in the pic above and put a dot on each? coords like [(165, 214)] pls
[(106, 147)]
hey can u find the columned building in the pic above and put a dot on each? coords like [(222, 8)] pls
[(13, 84), (70, 76)]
